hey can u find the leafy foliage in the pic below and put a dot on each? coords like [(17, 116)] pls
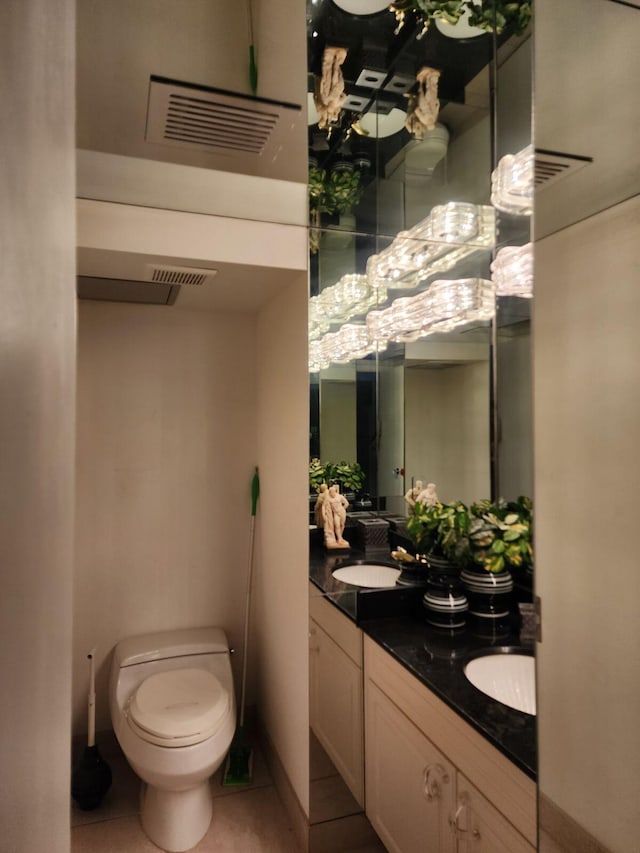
[(494, 536), (491, 15), (349, 474), (338, 192)]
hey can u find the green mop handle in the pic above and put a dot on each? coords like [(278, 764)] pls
[(255, 492)]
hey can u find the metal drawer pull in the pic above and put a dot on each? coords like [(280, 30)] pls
[(435, 776)]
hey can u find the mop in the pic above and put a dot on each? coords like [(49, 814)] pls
[(91, 779), (239, 764)]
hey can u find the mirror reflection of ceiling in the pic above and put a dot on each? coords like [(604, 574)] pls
[(379, 73)]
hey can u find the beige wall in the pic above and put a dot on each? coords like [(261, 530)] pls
[(586, 428), (281, 603), (37, 386), (447, 430), (166, 435)]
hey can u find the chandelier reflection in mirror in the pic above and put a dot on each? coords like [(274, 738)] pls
[(450, 233), (512, 183), (352, 295), (443, 306), (512, 271)]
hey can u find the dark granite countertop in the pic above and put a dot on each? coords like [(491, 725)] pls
[(435, 656)]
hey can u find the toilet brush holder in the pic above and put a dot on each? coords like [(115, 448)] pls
[(91, 778)]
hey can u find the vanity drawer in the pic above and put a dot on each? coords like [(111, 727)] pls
[(339, 627)]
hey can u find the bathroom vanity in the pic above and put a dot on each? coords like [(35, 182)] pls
[(436, 764)]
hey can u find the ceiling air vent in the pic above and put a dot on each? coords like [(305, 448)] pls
[(213, 120), (179, 275), (551, 166)]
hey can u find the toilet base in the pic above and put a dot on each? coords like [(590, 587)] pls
[(176, 820)]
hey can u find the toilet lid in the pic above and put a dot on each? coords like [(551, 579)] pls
[(179, 704)]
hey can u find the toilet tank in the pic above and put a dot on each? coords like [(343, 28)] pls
[(170, 644)]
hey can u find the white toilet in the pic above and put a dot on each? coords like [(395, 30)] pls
[(172, 707)]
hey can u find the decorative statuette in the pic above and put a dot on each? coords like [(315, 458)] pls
[(424, 106), (329, 95)]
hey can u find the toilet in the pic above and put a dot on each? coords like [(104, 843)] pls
[(173, 711)]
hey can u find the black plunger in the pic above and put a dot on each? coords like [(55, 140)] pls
[(91, 779)]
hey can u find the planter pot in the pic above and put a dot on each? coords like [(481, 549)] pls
[(490, 594), (444, 602), (445, 608), (442, 572)]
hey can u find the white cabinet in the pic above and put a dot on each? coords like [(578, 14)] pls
[(410, 784), (336, 691), (425, 768)]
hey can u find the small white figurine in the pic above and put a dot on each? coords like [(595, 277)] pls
[(424, 106), (323, 494), (337, 504), (428, 497), (412, 495)]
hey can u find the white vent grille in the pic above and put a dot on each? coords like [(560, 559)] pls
[(550, 167), (179, 275), (215, 121)]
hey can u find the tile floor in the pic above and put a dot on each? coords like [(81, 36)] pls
[(246, 819), (338, 822)]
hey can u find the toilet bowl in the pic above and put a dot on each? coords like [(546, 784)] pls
[(173, 711)]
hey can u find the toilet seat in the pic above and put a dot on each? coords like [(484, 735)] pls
[(179, 707)]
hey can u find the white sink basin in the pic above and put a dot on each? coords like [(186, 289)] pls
[(509, 678), (367, 574)]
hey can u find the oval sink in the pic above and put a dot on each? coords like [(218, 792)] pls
[(509, 678), (367, 574)]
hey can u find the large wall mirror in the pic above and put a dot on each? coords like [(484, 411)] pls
[(453, 406)]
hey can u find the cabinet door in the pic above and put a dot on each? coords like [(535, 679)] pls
[(336, 708), (481, 828), (409, 783)]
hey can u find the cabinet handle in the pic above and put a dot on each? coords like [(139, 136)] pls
[(458, 821), (434, 777), (314, 645)]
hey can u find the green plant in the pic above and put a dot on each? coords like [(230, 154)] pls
[(500, 534), (500, 15), (343, 191), (338, 192), (496, 15), (492, 535), (318, 199), (316, 474), (439, 529), (349, 474)]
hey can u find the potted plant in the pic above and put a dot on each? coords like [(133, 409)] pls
[(500, 534), (439, 531), (348, 475), (497, 15), (493, 536), (343, 190), (339, 192)]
